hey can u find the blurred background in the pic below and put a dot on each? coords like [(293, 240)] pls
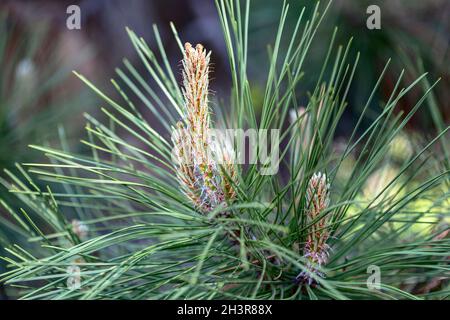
[(39, 95)]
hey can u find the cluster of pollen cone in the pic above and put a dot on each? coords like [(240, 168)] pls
[(210, 183)]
